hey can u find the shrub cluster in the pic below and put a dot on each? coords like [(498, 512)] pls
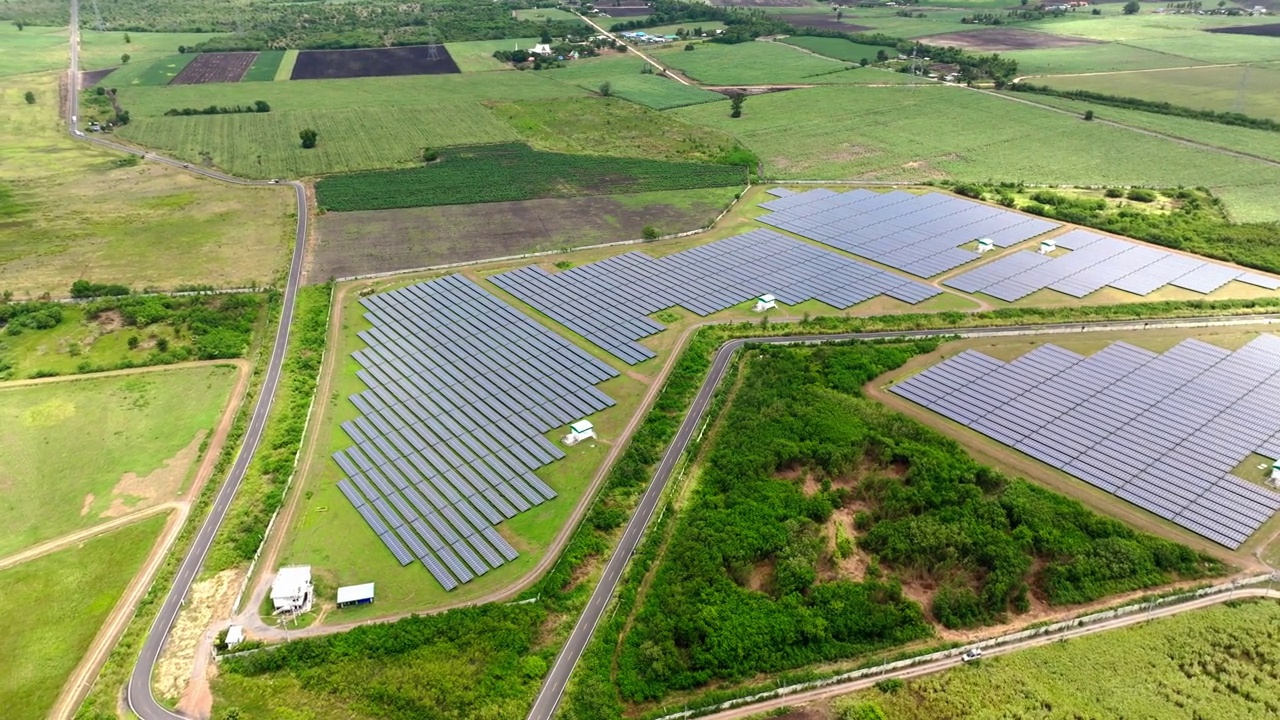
[(1153, 106), (258, 106)]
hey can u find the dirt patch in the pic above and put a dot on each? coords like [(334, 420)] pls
[(761, 577), (209, 599), (1003, 40), (215, 68), (817, 20), (89, 78), (760, 3), (86, 505), (806, 713), (109, 320), (1268, 30), (373, 241), (162, 483)]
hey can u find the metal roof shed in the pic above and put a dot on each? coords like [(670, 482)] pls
[(355, 595)]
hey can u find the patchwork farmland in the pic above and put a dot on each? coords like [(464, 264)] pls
[(379, 62), (216, 68)]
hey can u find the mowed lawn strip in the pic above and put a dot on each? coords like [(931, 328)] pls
[(477, 55), (625, 81), (64, 599), (264, 67), (752, 63), (164, 70), (1108, 57), (1252, 90), (839, 48), (135, 439)]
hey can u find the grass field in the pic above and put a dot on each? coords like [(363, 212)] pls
[(708, 26), (64, 598), (365, 123), (477, 56), (1215, 47), (264, 67), (1104, 57), (62, 349), (100, 50), (542, 15), (136, 438), (839, 48), (1252, 90), (147, 225), (1218, 662), (622, 72), (885, 133), (285, 71), (886, 20), (610, 126), (755, 63), (33, 49), (1113, 26), (159, 72)]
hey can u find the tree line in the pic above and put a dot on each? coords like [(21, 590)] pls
[(258, 106), (1157, 107)]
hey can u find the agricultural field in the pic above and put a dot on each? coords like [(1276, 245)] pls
[(839, 48), (610, 126), (884, 134), (79, 207), (514, 171), (1214, 662), (138, 437), (1249, 89), (755, 63), (374, 62), (216, 68), (264, 67), (1112, 26), (542, 15), (622, 72), (33, 49), (1100, 57), (356, 243), (160, 72), (477, 55), (103, 49), (1004, 40), (65, 597)]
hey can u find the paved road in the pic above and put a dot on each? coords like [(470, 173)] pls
[(138, 692), (553, 686)]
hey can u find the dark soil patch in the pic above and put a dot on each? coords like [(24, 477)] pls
[(373, 241), (215, 68), (1003, 40), (89, 78), (760, 3), (1269, 30), (826, 21), (374, 62)]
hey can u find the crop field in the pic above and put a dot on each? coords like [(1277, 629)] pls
[(839, 48), (103, 49), (375, 62), (1098, 57), (1215, 47), (285, 71), (1112, 26), (216, 68), (33, 49), (145, 225), (882, 134), (1216, 662), (265, 66), (887, 21), (542, 15), (622, 72), (826, 21), (1268, 30), (513, 171), (477, 56), (136, 438), (754, 63), (610, 126), (65, 597), (1252, 90), (357, 243), (1003, 40), (160, 72)]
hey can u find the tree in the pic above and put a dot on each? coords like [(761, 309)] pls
[(182, 49), (651, 233), (735, 104), (606, 89), (430, 154), (864, 62), (1222, 3), (1088, 114), (30, 97), (308, 138), (881, 56), (261, 106), (688, 47), (546, 36), (1132, 7), (127, 39), (19, 24), (124, 59), (839, 15)]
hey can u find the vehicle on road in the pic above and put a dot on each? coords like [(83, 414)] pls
[(974, 654)]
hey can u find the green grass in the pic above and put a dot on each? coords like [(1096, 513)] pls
[(162, 71), (542, 15), (264, 67), (839, 48), (1250, 90), (285, 71), (708, 26), (1216, 662), (886, 21), (1106, 57), (477, 56), (61, 350), (1113, 26), (64, 599), (1215, 47), (622, 72), (119, 425), (610, 126), (145, 226), (33, 49), (100, 50), (755, 63), (891, 134), (364, 124)]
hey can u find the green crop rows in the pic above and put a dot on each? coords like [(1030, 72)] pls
[(512, 171), (264, 66)]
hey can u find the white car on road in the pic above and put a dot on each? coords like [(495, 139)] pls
[(972, 655)]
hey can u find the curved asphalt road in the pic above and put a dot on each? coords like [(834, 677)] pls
[(138, 695), (553, 686)]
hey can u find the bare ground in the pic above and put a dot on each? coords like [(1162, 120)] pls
[(1004, 40), (210, 598), (165, 481)]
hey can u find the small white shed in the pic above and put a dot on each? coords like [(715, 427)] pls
[(985, 245), (579, 431), (766, 302), (355, 595), (235, 635), (1048, 246), (291, 591), (541, 49), (1275, 471)]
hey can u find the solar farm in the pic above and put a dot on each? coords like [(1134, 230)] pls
[(1163, 431), (607, 302), (462, 389), (1097, 261), (920, 235)]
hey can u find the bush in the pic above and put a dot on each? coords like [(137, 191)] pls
[(1112, 192), (86, 289), (889, 686), (606, 89), (30, 97), (651, 233), (1088, 115), (1141, 195)]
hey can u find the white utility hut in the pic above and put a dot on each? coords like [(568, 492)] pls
[(766, 302), (292, 592), (985, 245), (1275, 471), (355, 595), (235, 635), (579, 431), (1048, 246)]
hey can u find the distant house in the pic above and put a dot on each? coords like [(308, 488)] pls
[(541, 49), (292, 592)]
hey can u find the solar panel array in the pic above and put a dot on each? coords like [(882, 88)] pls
[(607, 302), (917, 234), (1163, 431), (1097, 261), (462, 388)]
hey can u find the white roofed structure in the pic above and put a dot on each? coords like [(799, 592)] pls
[(355, 595), (291, 591)]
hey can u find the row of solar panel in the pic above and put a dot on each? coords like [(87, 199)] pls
[(1165, 429)]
